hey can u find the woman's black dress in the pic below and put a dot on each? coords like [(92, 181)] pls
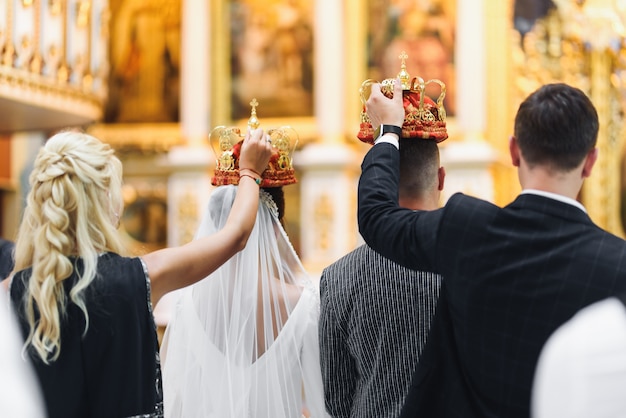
[(114, 369)]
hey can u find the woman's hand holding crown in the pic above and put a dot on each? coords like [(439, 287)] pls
[(256, 151)]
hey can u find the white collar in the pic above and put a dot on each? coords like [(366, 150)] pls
[(555, 196)]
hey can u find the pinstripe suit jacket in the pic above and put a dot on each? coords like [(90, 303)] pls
[(513, 275), (374, 320)]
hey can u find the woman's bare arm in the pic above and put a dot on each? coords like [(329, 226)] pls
[(173, 268)]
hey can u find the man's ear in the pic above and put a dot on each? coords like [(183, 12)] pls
[(514, 151), (590, 160), (441, 174)]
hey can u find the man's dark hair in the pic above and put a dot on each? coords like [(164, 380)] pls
[(557, 125), (419, 164)]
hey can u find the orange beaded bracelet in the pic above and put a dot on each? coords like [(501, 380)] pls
[(257, 180)]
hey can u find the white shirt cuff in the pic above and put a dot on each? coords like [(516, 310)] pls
[(389, 138)]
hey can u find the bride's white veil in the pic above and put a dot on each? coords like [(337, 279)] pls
[(243, 342)]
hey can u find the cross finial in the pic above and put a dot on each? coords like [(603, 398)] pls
[(403, 75), (253, 122)]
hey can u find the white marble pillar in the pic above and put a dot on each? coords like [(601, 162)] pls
[(328, 192), (328, 168), (189, 184), (467, 165), (470, 68), (467, 156), (195, 71), (329, 69)]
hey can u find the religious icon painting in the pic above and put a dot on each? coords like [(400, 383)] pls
[(271, 57), (425, 30)]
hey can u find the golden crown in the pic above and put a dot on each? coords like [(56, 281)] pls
[(226, 143), (423, 118)]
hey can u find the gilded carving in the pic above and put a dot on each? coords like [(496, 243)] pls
[(83, 9), (557, 49), (187, 216), (25, 52), (323, 218), (41, 70), (52, 60), (8, 57), (15, 85), (55, 7), (139, 138)]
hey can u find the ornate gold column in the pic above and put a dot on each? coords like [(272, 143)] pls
[(604, 33), (500, 107), (580, 43), (601, 191)]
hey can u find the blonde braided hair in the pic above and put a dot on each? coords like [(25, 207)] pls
[(72, 210)]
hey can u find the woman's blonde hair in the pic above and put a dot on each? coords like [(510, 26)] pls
[(72, 209)]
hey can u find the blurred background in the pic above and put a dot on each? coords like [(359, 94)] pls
[(154, 77)]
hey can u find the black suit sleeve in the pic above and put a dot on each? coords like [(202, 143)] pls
[(405, 236)]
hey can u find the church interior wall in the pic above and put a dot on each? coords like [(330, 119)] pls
[(272, 51)]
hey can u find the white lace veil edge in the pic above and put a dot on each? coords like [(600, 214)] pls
[(243, 341)]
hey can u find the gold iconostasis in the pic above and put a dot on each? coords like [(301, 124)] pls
[(267, 50)]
